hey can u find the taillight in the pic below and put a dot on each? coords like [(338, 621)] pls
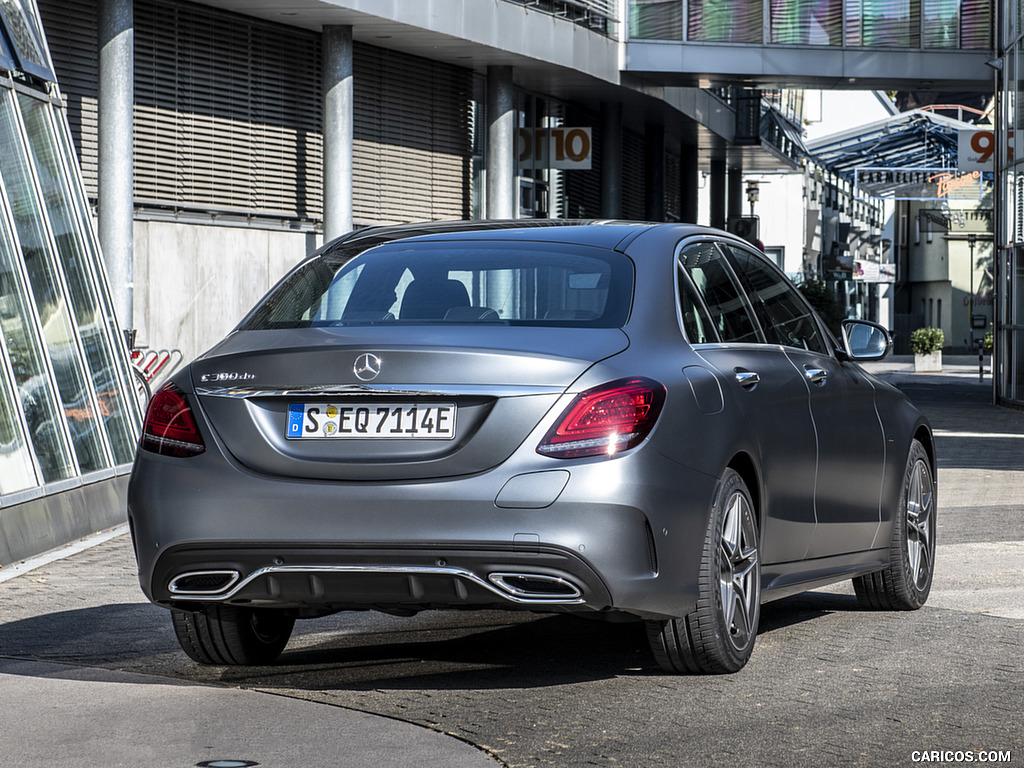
[(605, 420), (169, 428)]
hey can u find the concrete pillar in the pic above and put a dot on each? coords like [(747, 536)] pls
[(735, 193), (654, 172), (717, 190), (338, 129), (611, 160), (116, 26), (501, 143), (689, 180)]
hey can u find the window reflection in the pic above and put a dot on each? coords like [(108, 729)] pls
[(25, 38), (807, 22), (50, 301), (80, 280), (656, 20), (929, 24), (92, 259), (883, 23), (31, 380), (725, 21), (16, 471)]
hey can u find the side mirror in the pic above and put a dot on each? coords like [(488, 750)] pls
[(864, 340)]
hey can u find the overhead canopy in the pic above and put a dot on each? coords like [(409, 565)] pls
[(914, 139)]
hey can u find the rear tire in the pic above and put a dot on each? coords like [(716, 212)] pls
[(905, 583), (718, 636), (225, 635)]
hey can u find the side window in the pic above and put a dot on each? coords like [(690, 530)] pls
[(787, 319), (722, 310)]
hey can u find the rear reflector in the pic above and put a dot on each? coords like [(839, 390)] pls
[(169, 428), (605, 420)]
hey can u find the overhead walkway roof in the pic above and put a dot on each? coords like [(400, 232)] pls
[(917, 138)]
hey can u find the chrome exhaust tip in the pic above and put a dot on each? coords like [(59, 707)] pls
[(535, 586), (203, 582)]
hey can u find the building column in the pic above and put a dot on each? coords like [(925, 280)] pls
[(654, 172), (735, 209), (689, 181), (501, 143), (611, 160), (116, 210), (338, 109), (717, 190)]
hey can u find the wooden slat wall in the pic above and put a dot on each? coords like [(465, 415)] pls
[(228, 116), (413, 133), (227, 112)]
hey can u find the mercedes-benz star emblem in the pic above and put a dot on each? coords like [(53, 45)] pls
[(367, 367)]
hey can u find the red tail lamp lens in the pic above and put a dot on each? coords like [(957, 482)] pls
[(605, 420), (170, 428)]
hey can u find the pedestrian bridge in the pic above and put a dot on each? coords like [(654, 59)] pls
[(937, 45)]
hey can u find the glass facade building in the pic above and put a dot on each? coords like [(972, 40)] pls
[(1008, 71), (921, 24), (68, 418)]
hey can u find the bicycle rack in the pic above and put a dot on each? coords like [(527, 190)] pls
[(155, 365)]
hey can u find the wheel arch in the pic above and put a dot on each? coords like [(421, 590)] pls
[(924, 436), (743, 464)]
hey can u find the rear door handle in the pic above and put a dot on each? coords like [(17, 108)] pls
[(748, 379), (815, 375)]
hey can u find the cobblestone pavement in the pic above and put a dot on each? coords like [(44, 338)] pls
[(829, 684)]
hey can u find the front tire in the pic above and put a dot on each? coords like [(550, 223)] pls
[(718, 636), (229, 636), (905, 583)]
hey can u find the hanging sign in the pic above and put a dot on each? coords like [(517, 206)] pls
[(976, 149), (917, 184), (978, 220), (874, 272), (563, 149)]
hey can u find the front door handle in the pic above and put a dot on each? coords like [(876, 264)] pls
[(747, 379), (815, 375)]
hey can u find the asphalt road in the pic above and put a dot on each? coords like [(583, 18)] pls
[(90, 674)]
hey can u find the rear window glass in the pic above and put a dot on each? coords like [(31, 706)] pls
[(522, 283)]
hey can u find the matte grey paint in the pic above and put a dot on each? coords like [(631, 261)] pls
[(394, 526)]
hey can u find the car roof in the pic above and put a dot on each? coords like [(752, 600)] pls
[(612, 234)]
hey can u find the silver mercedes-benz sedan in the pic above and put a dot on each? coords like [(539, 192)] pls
[(604, 418)]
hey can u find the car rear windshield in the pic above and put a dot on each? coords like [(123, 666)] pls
[(478, 283)]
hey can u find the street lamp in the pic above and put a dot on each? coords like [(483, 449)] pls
[(971, 240)]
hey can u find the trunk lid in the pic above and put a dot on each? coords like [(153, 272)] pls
[(379, 403)]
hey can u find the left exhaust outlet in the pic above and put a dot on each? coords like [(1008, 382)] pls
[(203, 582)]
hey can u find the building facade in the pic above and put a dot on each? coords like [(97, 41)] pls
[(1008, 76), (208, 146)]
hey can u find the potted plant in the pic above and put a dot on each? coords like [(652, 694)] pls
[(926, 344)]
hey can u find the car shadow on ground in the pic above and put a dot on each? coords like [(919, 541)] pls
[(450, 650)]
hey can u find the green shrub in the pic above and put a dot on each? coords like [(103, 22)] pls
[(924, 341)]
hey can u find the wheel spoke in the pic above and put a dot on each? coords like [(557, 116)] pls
[(738, 570), (920, 499)]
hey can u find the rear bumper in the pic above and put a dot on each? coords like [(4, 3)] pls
[(620, 534), (311, 577)]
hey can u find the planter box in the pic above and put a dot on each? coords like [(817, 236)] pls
[(930, 362)]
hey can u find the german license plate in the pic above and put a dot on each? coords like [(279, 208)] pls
[(408, 421)]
